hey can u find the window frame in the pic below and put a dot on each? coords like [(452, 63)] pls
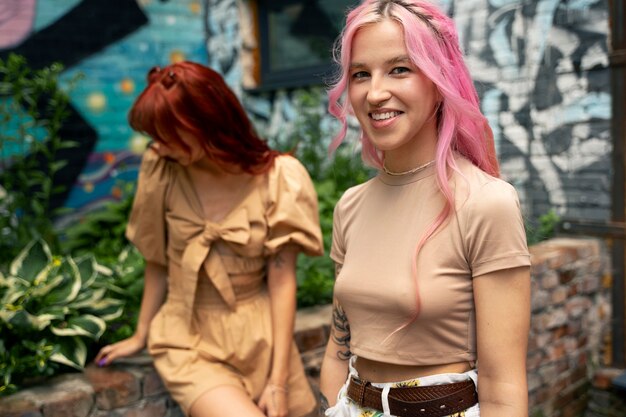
[(269, 79)]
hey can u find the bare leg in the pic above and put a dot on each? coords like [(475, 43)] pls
[(227, 400)]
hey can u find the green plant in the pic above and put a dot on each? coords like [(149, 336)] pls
[(126, 285), (33, 108), (51, 308), (544, 229), (102, 231)]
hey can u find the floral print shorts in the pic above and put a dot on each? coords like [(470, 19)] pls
[(345, 407)]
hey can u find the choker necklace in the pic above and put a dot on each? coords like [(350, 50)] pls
[(410, 171)]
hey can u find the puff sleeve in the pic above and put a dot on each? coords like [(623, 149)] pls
[(495, 237), (146, 225), (292, 213)]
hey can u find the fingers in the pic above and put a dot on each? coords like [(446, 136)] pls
[(103, 357)]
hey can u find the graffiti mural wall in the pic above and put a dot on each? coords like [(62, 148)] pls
[(541, 68), (112, 43)]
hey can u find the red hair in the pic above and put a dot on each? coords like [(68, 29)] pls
[(190, 97)]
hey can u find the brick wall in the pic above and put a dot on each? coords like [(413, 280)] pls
[(569, 328), (570, 324)]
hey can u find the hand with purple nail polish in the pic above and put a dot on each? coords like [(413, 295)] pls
[(123, 348)]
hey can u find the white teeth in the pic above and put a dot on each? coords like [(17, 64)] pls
[(385, 116)]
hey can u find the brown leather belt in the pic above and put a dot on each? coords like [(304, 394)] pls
[(421, 401)]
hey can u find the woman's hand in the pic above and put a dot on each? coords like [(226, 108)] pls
[(273, 401), (121, 349)]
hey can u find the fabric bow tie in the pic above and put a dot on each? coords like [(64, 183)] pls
[(235, 229)]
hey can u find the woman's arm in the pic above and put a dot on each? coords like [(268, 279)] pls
[(281, 282), (335, 364), (155, 288), (502, 300)]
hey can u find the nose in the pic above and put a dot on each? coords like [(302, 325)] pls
[(378, 92)]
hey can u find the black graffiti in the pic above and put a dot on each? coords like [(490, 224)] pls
[(83, 31)]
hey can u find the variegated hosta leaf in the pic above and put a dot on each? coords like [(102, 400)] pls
[(107, 309), (47, 286), (103, 270), (87, 298), (16, 289), (31, 260), (23, 321), (72, 352), (57, 313), (87, 268), (69, 288), (85, 325)]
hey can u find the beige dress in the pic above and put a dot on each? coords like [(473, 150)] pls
[(215, 327)]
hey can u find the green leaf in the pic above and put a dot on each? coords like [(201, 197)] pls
[(47, 286), (31, 260), (56, 313), (15, 289), (72, 352), (69, 288), (108, 309), (86, 325), (87, 269), (22, 320), (87, 298)]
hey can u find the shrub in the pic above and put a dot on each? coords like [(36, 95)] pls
[(33, 108), (51, 308)]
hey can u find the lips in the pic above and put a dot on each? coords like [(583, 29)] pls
[(383, 118)]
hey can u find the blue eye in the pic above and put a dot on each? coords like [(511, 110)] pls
[(400, 70), (359, 74)]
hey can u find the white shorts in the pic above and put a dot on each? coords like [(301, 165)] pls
[(345, 407)]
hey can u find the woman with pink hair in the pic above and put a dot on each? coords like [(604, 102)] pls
[(432, 295)]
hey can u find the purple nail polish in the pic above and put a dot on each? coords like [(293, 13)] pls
[(101, 362)]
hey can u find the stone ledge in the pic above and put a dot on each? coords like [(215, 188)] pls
[(132, 388)]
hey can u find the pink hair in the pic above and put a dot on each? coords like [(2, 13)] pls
[(433, 46)]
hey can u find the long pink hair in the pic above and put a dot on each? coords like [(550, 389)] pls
[(433, 46)]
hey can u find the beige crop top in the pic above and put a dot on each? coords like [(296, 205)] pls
[(376, 229)]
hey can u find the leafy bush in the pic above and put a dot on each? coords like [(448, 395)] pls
[(102, 234), (51, 308), (544, 229), (32, 109), (102, 231)]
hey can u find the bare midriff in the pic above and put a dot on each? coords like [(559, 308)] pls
[(388, 372)]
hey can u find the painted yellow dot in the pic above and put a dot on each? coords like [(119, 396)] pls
[(195, 7), (127, 86), (176, 56), (138, 143), (88, 187), (96, 102)]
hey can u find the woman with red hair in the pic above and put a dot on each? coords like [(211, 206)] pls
[(220, 219)]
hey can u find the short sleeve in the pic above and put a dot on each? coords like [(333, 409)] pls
[(292, 214), (337, 250), (146, 225), (495, 237)]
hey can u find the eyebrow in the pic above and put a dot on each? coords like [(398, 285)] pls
[(391, 61)]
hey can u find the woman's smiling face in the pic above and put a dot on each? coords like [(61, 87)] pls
[(393, 101)]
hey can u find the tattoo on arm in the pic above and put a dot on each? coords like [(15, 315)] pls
[(341, 332), (323, 404)]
